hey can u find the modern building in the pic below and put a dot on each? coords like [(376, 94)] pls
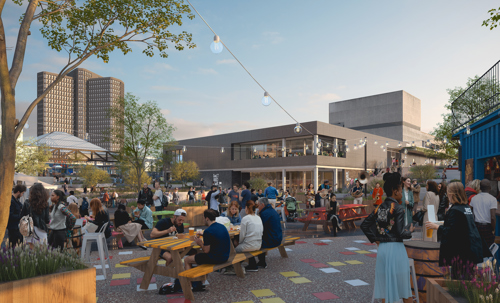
[(395, 115), (289, 160), (78, 105)]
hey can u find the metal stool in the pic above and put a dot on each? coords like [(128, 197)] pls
[(413, 277)]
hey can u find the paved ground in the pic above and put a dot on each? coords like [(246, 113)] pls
[(320, 268)]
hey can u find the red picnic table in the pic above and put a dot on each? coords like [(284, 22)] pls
[(347, 213)]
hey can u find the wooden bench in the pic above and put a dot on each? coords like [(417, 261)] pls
[(200, 272)]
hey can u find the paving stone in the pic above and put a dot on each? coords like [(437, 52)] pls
[(263, 293), (325, 295), (354, 262), (329, 270), (119, 282), (300, 280), (308, 260), (272, 300), (318, 265), (371, 255), (336, 263), (121, 276), (356, 282), (151, 286), (289, 274)]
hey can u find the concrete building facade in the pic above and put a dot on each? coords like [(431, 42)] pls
[(395, 115), (78, 105)]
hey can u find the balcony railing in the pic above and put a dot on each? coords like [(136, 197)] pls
[(479, 100)]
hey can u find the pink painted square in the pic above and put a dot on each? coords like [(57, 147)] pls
[(369, 244), (318, 265), (347, 253), (371, 255), (120, 282), (300, 242), (153, 280), (179, 300), (308, 260), (325, 295), (320, 243), (111, 257)]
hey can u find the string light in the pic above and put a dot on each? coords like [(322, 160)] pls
[(445, 140), (399, 144), (222, 150), (406, 151), (355, 147), (307, 147), (254, 150), (413, 143), (375, 142), (468, 130), (139, 146), (216, 47), (429, 142), (298, 129), (184, 149), (381, 146), (265, 100), (335, 150), (26, 126), (386, 143)]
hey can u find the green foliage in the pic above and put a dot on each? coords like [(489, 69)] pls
[(93, 175), (30, 158), (132, 180), (258, 183), (423, 172), (455, 180), (185, 171), (141, 130), (23, 262), (493, 20), (373, 181)]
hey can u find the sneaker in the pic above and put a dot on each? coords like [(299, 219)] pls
[(262, 265), (230, 271), (143, 247), (167, 289), (249, 268)]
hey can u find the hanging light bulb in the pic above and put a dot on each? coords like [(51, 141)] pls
[(385, 149), (355, 147), (319, 144), (307, 147), (360, 140), (139, 146), (254, 150), (26, 126), (468, 130), (222, 150), (405, 156), (266, 100), (375, 142), (335, 149), (298, 129), (445, 140), (429, 142), (346, 148), (413, 143), (365, 139), (184, 149), (327, 145), (386, 143), (216, 46), (406, 151), (381, 145)]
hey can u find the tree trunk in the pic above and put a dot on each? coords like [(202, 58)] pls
[(139, 175)]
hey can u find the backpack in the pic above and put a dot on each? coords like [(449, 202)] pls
[(85, 204), (26, 227)]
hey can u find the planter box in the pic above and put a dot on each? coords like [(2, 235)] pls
[(437, 292), (71, 286), (194, 214)]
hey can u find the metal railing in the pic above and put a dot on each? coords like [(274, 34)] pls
[(478, 100)]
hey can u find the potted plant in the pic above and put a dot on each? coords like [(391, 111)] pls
[(43, 274)]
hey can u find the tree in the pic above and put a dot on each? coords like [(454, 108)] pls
[(493, 20), (185, 171), (141, 130), (30, 158), (258, 183), (131, 178), (82, 29), (468, 107), (92, 175), (423, 172)]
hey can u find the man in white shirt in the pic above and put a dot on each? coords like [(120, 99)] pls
[(484, 206), (72, 198), (157, 198)]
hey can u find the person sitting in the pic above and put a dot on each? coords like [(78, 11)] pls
[(129, 229), (232, 213), (143, 215), (169, 227), (251, 229), (272, 234), (100, 216)]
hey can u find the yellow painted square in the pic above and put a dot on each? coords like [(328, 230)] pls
[(120, 276), (244, 302), (361, 251), (300, 280), (162, 262), (272, 300), (289, 274), (119, 265), (263, 293), (354, 262), (336, 263)]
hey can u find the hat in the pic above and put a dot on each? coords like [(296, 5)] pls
[(180, 212)]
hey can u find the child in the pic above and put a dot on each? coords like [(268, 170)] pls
[(332, 207)]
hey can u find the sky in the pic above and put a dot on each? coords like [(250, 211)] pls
[(305, 53)]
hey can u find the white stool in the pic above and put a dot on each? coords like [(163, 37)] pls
[(102, 247), (413, 277)]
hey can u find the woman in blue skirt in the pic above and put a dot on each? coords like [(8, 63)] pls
[(385, 226)]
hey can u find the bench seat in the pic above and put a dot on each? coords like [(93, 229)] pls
[(361, 216)]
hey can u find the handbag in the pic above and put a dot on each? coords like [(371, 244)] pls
[(419, 217), (26, 227)]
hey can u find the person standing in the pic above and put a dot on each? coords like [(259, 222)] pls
[(58, 219), (245, 195), (271, 194), (175, 196), (37, 207), (407, 201), (85, 189), (484, 206), (105, 198), (431, 198), (357, 193), (191, 195), (15, 215), (213, 203), (444, 203), (202, 183), (146, 195), (157, 198), (234, 194), (260, 194), (72, 198), (415, 188), (325, 185), (377, 194), (385, 226)]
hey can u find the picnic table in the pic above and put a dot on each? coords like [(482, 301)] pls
[(347, 213)]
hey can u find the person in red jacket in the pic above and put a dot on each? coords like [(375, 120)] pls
[(377, 194), (472, 189)]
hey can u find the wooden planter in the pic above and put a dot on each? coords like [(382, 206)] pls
[(194, 214), (71, 286), (437, 292)]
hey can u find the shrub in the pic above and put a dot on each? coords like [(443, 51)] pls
[(22, 262), (423, 172), (258, 183), (455, 180)]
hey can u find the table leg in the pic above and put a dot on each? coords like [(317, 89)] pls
[(238, 270), (282, 251), (306, 224), (186, 288), (148, 274)]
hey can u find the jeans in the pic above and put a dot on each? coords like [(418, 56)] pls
[(159, 208), (262, 260)]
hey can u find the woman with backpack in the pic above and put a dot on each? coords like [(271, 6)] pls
[(37, 207), (58, 214)]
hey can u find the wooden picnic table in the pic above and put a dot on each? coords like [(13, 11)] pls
[(178, 248), (347, 213)]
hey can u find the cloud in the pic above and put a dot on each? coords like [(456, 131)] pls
[(186, 129), (207, 71), (165, 88), (165, 112), (226, 61), (273, 37), (322, 98)]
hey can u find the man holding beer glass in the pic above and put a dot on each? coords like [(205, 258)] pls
[(170, 227)]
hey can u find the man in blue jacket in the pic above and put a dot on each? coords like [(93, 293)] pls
[(271, 194), (272, 235), (15, 215)]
